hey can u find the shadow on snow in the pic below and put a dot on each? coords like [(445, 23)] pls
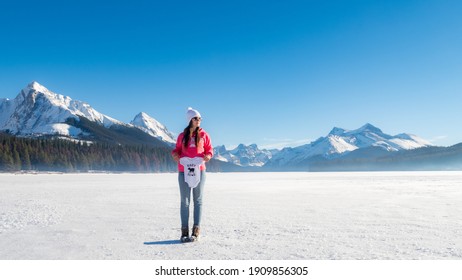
[(164, 242)]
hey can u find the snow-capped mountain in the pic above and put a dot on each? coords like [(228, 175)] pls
[(340, 142), (243, 155), (154, 128), (37, 111)]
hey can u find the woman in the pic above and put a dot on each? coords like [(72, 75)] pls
[(193, 148)]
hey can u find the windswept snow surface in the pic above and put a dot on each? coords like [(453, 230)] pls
[(317, 216)]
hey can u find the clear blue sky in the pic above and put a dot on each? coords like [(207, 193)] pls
[(266, 72)]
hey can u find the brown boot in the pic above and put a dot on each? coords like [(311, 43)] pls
[(184, 235), (195, 233)]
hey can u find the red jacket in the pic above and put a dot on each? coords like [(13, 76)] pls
[(205, 148)]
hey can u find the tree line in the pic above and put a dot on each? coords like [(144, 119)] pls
[(36, 154)]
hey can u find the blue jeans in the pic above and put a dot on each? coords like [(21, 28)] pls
[(185, 195)]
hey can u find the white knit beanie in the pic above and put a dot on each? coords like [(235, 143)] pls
[(191, 113)]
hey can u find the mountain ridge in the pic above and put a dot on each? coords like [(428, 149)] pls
[(340, 142), (153, 127), (38, 112), (242, 155)]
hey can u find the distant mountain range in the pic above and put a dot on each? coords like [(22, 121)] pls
[(244, 155), (40, 113), (340, 142)]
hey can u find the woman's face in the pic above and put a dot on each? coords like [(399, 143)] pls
[(196, 122)]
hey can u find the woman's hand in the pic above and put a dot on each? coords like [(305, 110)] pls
[(207, 158), (175, 157)]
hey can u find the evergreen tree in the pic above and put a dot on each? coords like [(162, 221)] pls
[(49, 154)]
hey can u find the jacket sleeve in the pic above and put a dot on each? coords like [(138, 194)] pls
[(208, 149), (178, 146)]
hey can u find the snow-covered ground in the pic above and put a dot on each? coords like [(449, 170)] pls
[(380, 215)]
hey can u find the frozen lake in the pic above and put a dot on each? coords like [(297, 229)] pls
[(318, 216)]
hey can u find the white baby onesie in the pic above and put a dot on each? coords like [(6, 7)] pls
[(192, 170)]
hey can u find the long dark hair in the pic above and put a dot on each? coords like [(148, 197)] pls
[(186, 135)]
